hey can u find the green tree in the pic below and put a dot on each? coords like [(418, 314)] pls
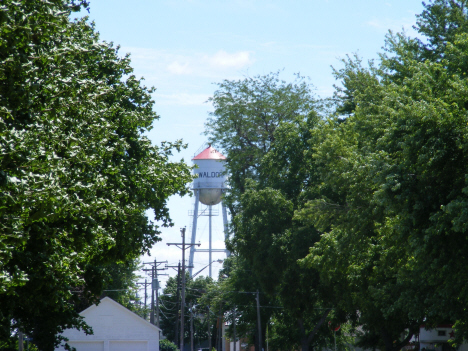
[(354, 256), (264, 134), (121, 284), (170, 307), (268, 237), (245, 117), (441, 22), (77, 173), (166, 345), (393, 239), (234, 297)]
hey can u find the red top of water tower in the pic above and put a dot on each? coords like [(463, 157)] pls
[(210, 153)]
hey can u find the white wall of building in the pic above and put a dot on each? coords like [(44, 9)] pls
[(115, 329)]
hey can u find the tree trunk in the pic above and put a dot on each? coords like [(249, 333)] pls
[(391, 346), (304, 343), (307, 339)]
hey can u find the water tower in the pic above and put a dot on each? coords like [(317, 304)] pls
[(208, 188)]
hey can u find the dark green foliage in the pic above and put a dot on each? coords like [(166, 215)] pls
[(395, 238), (264, 127), (378, 191), (385, 184), (234, 296), (166, 345), (246, 115), (76, 172), (170, 309), (121, 284), (440, 23)]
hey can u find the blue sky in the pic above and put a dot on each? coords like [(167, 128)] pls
[(182, 47)]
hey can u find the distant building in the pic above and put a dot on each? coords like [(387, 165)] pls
[(437, 339), (115, 329)]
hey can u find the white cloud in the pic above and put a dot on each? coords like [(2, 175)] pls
[(237, 60), (384, 25), (179, 68), (178, 75), (161, 62)]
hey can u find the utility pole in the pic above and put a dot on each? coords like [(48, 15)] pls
[(146, 296), (182, 295), (176, 330), (267, 336), (209, 329), (191, 327), (178, 305), (20, 341), (258, 322), (234, 326), (219, 341), (145, 284), (152, 294), (176, 326), (183, 248), (154, 286), (157, 302)]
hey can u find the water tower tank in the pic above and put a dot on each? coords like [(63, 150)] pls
[(211, 178)]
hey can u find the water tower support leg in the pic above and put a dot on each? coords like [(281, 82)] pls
[(194, 230)]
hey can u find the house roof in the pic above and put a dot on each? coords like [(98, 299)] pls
[(108, 301), (210, 153)]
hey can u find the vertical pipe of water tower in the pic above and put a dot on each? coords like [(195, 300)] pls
[(194, 230), (209, 216)]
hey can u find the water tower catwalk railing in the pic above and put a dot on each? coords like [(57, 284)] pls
[(208, 188)]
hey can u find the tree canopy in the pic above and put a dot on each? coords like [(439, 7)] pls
[(359, 216), (170, 306), (393, 234), (264, 126), (245, 117), (377, 190), (77, 173)]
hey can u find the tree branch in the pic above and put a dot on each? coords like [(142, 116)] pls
[(318, 325)]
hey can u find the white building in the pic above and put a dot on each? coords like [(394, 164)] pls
[(437, 339), (115, 329)]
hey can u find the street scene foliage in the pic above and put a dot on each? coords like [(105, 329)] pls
[(348, 215), (196, 314), (77, 174), (357, 217)]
